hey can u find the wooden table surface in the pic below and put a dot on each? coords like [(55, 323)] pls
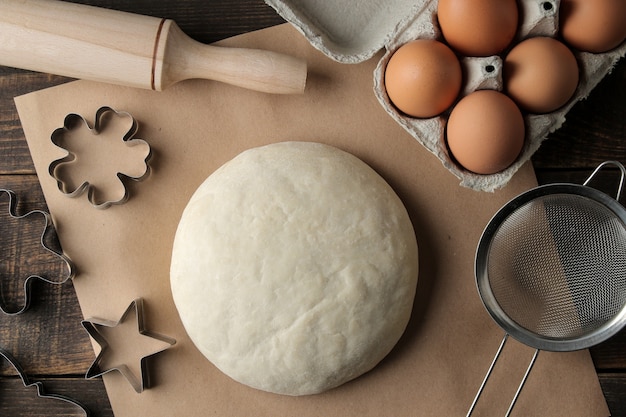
[(48, 339)]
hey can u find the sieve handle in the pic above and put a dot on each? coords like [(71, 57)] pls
[(621, 181), (488, 374), (521, 385)]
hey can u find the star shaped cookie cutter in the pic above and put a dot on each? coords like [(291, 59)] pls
[(95, 327), (41, 392), (70, 124), (48, 230)]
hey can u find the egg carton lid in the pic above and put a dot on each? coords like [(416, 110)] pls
[(350, 31)]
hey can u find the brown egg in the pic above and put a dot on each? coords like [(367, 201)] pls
[(593, 26), (485, 132), (540, 74), (423, 78), (478, 27)]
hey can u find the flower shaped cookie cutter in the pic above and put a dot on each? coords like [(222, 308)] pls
[(100, 160), (41, 392), (47, 240)]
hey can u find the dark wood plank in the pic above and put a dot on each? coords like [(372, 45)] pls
[(34, 335), (610, 354), (203, 21), (16, 158), (16, 400), (48, 336), (606, 180), (614, 388), (594, 130)]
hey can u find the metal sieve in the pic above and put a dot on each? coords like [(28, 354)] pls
[(551, 269)]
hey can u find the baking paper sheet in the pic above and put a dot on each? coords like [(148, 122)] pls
[(194, 127)]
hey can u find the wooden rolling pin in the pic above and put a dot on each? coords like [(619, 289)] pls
[(111, 46)]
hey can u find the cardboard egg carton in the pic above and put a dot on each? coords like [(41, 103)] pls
[(354, 31)]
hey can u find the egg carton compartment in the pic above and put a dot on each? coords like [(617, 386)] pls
[(354, 31)]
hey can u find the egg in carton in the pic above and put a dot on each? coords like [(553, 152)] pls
[(354, 31)]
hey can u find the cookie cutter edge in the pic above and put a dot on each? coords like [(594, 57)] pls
[(95, 130), (94, 371), (48, 228), (41, 392)]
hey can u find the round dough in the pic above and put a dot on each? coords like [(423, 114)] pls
[(294, 268)]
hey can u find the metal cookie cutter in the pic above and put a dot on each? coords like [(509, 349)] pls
[(71, 122), (94, 328), (47, 234), (41, 393)]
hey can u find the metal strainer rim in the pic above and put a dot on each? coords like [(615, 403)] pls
[(488, 299)]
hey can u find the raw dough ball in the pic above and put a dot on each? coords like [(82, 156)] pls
[(294, 268)]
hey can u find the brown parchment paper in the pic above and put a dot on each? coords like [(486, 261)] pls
[(194, 127)]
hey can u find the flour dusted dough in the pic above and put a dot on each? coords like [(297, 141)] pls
[(294, 268)]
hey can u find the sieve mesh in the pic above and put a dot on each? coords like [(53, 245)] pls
[(557, 266)]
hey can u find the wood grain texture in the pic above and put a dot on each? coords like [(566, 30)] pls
[(595, 130), (15, 158), (609, 356), (15, 400), (34, 335), (614, 388)]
